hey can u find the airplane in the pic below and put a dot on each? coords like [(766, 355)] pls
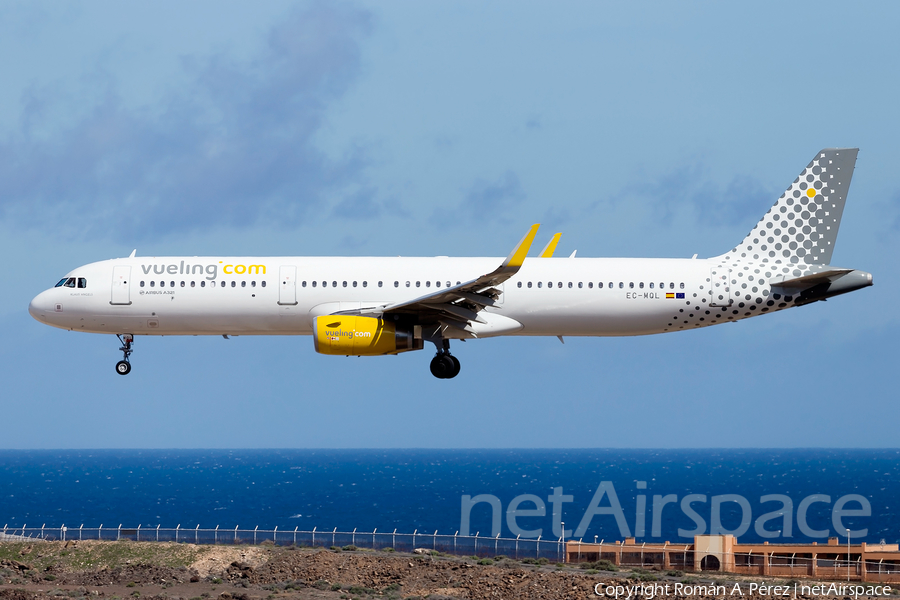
[(368, 306)]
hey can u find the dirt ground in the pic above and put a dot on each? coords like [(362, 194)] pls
[(162, 571)]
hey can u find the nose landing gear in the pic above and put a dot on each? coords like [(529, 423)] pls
[(123, 367), (444, 365)]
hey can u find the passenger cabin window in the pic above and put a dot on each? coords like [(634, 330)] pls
[(539, 284), (641, 285), (301, 285), (142, 284), (202, 283), (529, 284), (152, 284), (621, 285), (519, 284), (314, 284), (263, 284), (193, 283), (365, 283), (681, 286)]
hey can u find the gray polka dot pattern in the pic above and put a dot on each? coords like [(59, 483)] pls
[(794, 238), (802, 226)]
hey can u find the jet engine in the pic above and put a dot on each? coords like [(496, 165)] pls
[(361, 336)]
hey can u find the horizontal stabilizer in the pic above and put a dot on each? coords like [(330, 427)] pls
[(823, 285), (808, 281)]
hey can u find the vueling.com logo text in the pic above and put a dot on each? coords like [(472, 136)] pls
[(339, 333), (211, 271)]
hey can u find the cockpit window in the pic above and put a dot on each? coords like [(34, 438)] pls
[(82, 282), (70, 282), (61, 282)]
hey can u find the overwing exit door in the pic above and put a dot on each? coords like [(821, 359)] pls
[(287, 290)]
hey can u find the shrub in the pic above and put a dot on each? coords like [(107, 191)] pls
[(485, 561)]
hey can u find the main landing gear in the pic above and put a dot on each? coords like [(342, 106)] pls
[(123, 367), (444, 365)]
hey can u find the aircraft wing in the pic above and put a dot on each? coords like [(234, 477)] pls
[(459, 305)]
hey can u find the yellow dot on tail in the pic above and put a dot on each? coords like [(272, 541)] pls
[(810, 192)]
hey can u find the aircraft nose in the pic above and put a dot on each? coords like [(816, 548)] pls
[(40, 306)]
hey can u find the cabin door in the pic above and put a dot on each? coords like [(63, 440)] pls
[(287, 290), (120, 285), (720, 286)]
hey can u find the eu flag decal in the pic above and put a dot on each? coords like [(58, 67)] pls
[(679, 295)]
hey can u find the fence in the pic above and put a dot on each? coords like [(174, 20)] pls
[(551, 550)]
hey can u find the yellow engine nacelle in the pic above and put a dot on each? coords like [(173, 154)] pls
[(361, 336)]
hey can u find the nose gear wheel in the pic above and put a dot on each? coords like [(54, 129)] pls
[(123, 367)]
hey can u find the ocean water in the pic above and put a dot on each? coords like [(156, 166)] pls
[(654, 495)]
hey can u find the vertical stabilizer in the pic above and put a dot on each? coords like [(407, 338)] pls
[(802, 227)]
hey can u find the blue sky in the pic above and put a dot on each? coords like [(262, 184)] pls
[(408, 128)]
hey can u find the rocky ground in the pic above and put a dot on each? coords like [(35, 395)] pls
[(165, 571)]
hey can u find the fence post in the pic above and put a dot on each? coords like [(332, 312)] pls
[(62, 533), (157, 531), (139, 532), (414, 539), (373, 537), (393, 539), (176, 532), (434, 541), (517, 546), (476, 543), (314, 537), (496, 541), (353, 539), (254, 535), (197, 534), (454, 541), (538, 548), (295, 534), (235, 534), (216, 536), (275, 535), (333, 533), (79, 531), (99, 532), (42, 530), (119, 533)]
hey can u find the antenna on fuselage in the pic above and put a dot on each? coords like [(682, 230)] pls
[(132, 253)]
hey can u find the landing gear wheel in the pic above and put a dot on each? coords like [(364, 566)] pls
[(445, 366), (456, 366), (441, 368), (123, 367)]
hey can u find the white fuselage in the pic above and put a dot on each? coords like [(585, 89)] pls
[(254, 295)]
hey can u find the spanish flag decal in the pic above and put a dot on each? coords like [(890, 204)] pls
[(679, 295), (668, 295)]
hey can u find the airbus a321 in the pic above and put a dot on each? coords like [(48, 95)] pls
[(376, 306)]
